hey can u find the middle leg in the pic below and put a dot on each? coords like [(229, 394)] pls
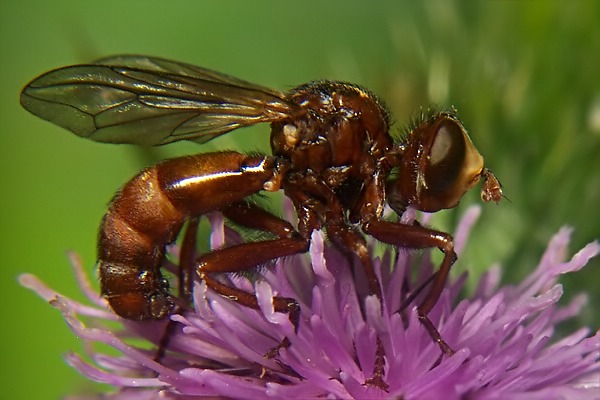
[(246, 256)]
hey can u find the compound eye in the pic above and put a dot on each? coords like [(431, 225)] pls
[(447, 156)]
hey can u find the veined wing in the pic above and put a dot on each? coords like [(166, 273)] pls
[(150, 101)]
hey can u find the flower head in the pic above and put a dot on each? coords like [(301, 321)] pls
[(503, 336)]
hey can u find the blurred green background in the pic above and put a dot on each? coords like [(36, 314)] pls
[(524, 77)]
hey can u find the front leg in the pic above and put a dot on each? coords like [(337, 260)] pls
[(419, 237)]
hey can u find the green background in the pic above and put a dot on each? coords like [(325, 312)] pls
[(524, 77)]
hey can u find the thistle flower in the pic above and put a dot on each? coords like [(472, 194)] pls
[(503, 336)]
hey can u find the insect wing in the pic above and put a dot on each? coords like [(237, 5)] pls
[(150, 101), (162, 65)]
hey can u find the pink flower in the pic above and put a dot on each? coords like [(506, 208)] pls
[(503, 336)]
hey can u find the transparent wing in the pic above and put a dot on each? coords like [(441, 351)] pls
[(150, 101)]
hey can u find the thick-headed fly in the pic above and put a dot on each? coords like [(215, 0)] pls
[(332, 155)]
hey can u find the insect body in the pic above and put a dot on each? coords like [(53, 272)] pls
[(332, 155)]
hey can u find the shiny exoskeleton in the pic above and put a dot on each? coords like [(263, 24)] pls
[(332, 155)]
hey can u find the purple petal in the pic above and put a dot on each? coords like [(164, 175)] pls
[(504, 337)]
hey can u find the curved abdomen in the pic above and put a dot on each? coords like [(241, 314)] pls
[(148, 213)]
